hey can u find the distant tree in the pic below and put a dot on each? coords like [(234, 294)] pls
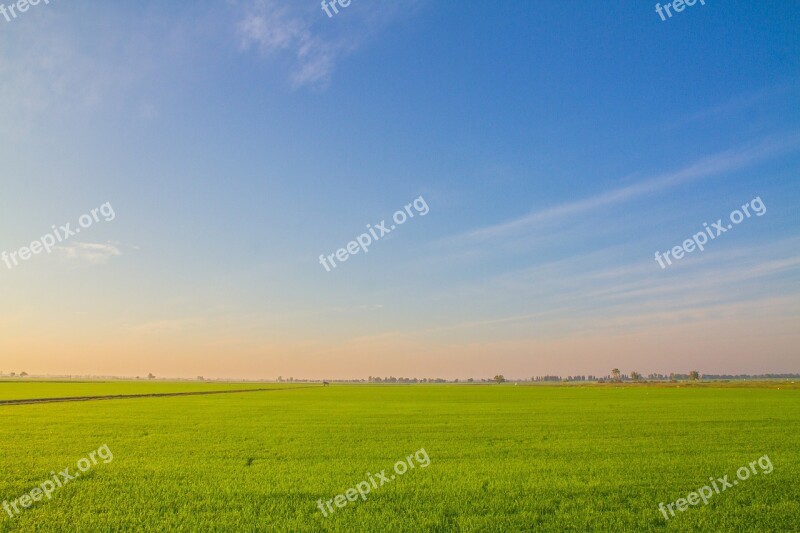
[(635, 376), (280, 378), (694, 375), (150, 376), (23, 374), (200, 378), (470, 380), (12, 374), (499, 378), (616, 374)]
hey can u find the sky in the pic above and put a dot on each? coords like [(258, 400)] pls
[(553, 147)]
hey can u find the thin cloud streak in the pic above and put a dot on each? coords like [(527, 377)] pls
[(316, 42), (710, 166), (91, 253), (566, 291)]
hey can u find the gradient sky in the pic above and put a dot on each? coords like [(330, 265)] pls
[(558, 145)]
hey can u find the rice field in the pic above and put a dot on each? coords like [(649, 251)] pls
[(501, 457), (33, 389)]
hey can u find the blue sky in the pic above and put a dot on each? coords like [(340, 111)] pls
[(558, 146)]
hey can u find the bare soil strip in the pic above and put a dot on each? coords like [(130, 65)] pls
[(128, 396)]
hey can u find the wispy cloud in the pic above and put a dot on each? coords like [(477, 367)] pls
[(89, 253), (707, 167), (275, 28), (177, 324), (593, 292), (362, 307), (50, 65), (272, 27), (737, 104)]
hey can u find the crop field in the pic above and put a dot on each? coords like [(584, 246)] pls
[(493, 457), (18, 390)]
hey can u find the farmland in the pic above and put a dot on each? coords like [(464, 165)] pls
[(18, 390), (502, 458)]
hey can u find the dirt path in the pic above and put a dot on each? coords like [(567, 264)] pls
[(128, 396)]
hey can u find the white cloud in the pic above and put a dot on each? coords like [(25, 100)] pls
[(273, 28), (314, 41), (590, 291), (710, 166), (90, 253)]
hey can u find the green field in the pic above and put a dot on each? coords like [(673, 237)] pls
[(502, 457), (22, 389)]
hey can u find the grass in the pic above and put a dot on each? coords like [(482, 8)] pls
[(24, 389), (503, 458)]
